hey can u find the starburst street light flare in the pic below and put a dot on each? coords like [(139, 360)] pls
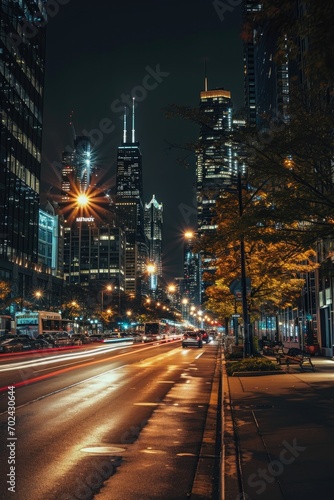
[(83, 200)]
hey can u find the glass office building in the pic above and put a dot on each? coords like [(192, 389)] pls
[(22, 58)]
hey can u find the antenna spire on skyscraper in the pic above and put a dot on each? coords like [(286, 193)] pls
[(205, 77), (133, 120), (124, 127), (72, 125)]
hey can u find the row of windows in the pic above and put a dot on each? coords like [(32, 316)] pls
[(23, 173), (13, 129)]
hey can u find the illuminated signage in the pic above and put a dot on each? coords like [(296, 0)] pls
[(85, 219)]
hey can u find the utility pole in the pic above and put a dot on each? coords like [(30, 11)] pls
[(248, 344)]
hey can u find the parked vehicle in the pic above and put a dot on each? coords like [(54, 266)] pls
[(12, 345), (96, 337), (192, 339), (62, 339), (40, 344), (48, 337), (76, 340), (85, 339)]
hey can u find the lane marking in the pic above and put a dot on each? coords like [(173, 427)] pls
[(103, 450)]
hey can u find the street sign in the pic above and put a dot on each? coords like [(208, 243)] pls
[(236, 287)]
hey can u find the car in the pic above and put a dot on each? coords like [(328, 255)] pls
[(12, 345), (113, 335), (62, 339), (85, 339), (76, 339), (192, 339), (137, 337), (152, 337), (40, 344), (96, 337), (48, 337), (205, 336)]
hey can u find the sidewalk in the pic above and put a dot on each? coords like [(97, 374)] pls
[(279, 435)]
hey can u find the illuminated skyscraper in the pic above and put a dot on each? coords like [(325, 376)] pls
[(153, 230), (22, 60), (218, 162), (191, 271), (129, 208), (77, 168), (215, 167), (94, 249)]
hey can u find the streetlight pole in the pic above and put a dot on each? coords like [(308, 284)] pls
[(107, 289), (248, 348)]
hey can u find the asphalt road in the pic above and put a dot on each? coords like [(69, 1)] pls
[(108, 422)]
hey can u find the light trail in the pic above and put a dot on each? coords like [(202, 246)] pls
[(62, 357), (64, 370)]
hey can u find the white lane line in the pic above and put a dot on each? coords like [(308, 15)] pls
[(58, 366)]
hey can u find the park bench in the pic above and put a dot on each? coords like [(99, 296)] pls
[(294, 356)]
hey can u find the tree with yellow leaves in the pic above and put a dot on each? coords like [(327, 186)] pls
[(274, 264), (5, 290)]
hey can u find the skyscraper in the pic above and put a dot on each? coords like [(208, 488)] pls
[(130, 209), (217, 164), (94, 249), (191, 271), (77, 168), (215, 167), (22, 60), (267, 84), (153, 230)]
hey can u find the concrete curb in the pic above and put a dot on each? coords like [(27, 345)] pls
[(258, 373), (203, 487), (230, 473)]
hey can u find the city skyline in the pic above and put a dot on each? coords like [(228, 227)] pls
[(89, 80)]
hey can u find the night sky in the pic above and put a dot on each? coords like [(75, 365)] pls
[(98, 51)]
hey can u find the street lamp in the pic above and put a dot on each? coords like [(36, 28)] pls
[(82, 200), (107, 289), (184, 308), (200, 318), (189, 235), (151, 271), (38, 295)]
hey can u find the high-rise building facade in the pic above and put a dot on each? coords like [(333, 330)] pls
[(22, 61), (283, 67), (50, 236), (267, 81), (153, 220), (77, 168), (191, 271), (130, 209), (218, 164), (94, 248), (215, 167)]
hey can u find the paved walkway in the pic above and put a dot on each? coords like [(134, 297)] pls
[(281, 428)]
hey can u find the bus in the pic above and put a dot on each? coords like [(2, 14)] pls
[(35, 323), (155, 330), (5, 325)]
